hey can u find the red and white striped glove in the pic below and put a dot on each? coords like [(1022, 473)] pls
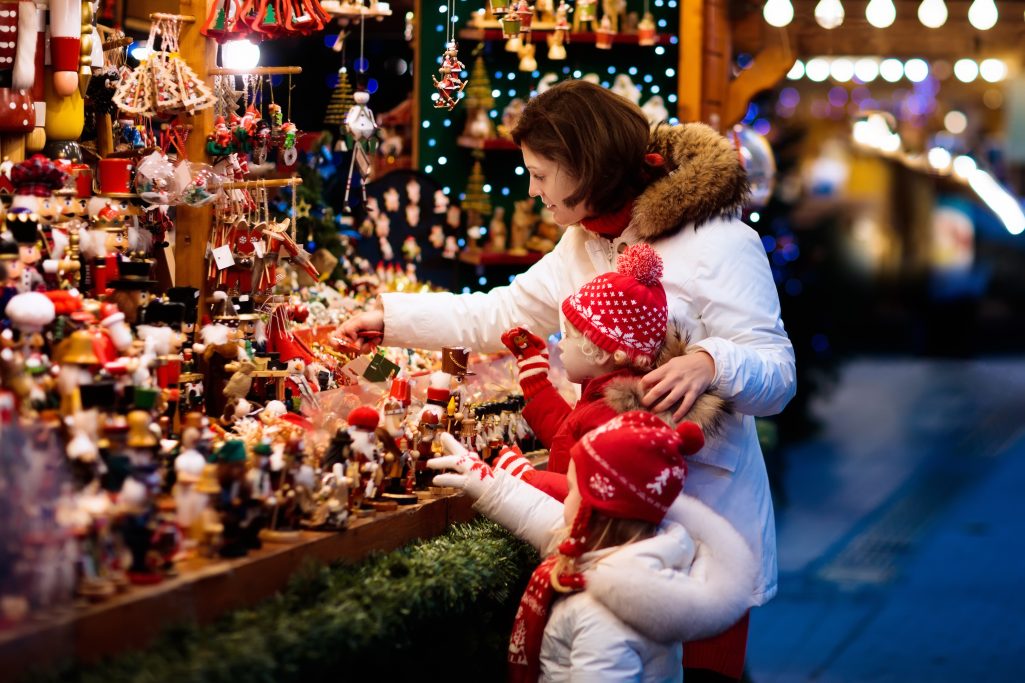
[(467, 471), (511, 459), (531, 353)]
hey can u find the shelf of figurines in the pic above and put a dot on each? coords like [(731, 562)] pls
[(201, 588), (540, 34), (487, 144), (499, 258)]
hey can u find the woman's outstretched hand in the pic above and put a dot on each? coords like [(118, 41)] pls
[(364, 330), (680, 381)]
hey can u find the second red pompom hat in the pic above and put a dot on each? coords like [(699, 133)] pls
[(631, 467), (624, 310)]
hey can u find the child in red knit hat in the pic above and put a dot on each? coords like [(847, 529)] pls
[(615, 327), (623, 478)]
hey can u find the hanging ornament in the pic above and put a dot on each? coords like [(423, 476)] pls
[(450, 84), (361, 128), (163, 83)]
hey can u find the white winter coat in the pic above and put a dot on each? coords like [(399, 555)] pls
[(584, 640), (719, 288)]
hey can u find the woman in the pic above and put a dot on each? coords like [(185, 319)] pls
[(594, 164)]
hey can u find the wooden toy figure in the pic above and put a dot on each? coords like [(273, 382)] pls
[(362, 127), (451, 83)]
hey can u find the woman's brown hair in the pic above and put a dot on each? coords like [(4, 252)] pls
[(592, 133)]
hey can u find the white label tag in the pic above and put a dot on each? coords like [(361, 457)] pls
[(223, 257), (259, 249)]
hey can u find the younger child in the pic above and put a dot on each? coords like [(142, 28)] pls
[(622, 479), (616, 329)]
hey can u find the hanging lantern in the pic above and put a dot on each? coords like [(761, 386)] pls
[(499, 7)]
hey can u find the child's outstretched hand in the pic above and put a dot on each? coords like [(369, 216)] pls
[(469, 473), (523, 343), (531, 353)]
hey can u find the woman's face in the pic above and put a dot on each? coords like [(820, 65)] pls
[(553, 183)]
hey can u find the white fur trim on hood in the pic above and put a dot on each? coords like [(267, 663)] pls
[(668, 607)]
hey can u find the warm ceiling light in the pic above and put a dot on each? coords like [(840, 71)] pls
[(778, 13), (955, 122), (993, 70), (829, 13), (842, 70), (892, 70), (817, 69), (916, 70), (939, 158), (866, 69), (983, 14), (932, 13), (881, 13), (966, 70)]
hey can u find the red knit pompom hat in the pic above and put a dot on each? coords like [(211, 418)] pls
[(624, 310), (631, 467)]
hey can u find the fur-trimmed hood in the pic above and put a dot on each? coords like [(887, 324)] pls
[(706, 181), (709, 411)]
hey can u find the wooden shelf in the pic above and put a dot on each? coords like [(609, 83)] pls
[(538, 35), (207, 588), (485, 258), (487, 144)]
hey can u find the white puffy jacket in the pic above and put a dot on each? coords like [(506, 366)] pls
[(697, 562)]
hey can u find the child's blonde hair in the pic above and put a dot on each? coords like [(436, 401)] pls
[(599, 356), (603, 531)]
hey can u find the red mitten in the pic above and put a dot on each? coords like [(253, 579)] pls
[(531, 353), (511, 459)]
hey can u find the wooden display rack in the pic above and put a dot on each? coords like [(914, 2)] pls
[(206, 589)]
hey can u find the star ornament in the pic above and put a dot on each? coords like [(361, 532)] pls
[(302, 209)]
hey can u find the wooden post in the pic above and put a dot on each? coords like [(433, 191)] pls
[(691, 69), (192, 228), (716, 57), (770, 65)]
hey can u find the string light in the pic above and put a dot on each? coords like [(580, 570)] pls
[(966, 70), (983, 14), (881, 13), (829, 14), (932, 13), (778, 13)]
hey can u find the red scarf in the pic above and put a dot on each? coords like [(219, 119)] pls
[(531, 619), (611, 225)]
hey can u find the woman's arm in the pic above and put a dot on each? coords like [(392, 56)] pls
[(747, 357), (478, 320)]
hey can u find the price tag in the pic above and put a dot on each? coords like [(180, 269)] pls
[(222, 257), (259, 249)]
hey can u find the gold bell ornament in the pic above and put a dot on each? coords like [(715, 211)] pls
[(139, 434)]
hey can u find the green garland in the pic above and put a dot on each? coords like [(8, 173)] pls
[(440, 608)]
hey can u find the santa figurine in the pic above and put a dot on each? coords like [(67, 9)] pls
[(363, 423)]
